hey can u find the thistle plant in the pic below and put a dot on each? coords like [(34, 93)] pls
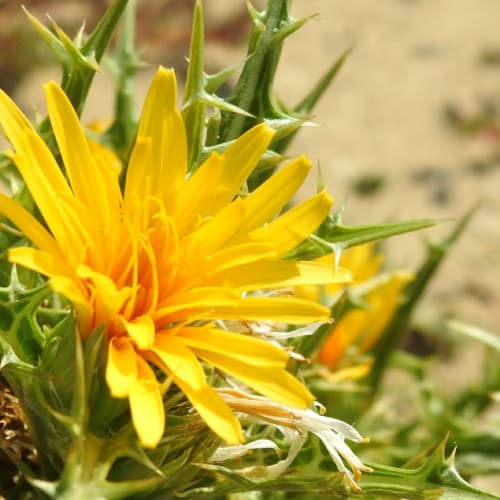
[(156, 312)]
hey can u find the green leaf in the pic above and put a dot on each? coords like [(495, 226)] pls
[(333, 236), (487, 338)]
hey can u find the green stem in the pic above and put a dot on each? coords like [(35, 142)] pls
[(122, 132), (264, 51), (194, 111)]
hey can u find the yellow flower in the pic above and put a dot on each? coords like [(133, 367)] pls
[(159, 263), (361, 261), (361, 328)]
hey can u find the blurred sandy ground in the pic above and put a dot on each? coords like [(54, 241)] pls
[(383, 116)]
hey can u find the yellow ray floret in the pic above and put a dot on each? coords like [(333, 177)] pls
[(159, 263)]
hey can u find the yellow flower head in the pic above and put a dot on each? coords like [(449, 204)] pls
[(158, 263), (360, 329)]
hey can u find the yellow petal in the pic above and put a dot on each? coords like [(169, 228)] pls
[(346, 374), (44, 181), (195, 194), (70, 289), (271, 196), (294, 226), (162, 122), (40, 261), (13, 120), (121, 367), (108, 164), (28, 225), (148, 275), (362, 261), (241, 347), (37, 165), (85, 177), (281, 309), (141, 331), (274, 383), (197, 299), (382, 303), (361, 328), (279, 274), (214, 233), (238, 255), (138, 180), (335, 345), (239, 161), (146, 406), (106, 293), (188, 374)]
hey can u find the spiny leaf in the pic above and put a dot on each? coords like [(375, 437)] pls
[(79, 64), (310, 100), (436, 477), (306, 106), (215, 80), (333, 236)]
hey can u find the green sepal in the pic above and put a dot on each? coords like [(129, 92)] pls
[(289, 27), (44, 388), (212, 128), (254, 90)]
